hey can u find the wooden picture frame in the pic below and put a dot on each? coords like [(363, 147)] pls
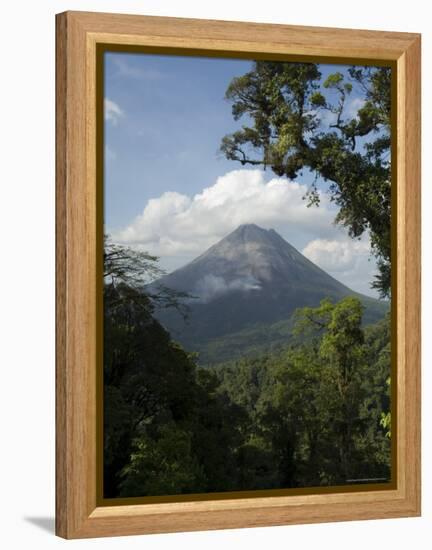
[(78, 213)]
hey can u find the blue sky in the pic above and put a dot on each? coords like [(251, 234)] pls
[(175, 117), (169, 191)]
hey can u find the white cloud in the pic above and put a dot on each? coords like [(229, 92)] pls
[(353, 106), (112, 111), (328, 118), (128, 70), (336, 255), (177, 227), (211, 286), (175, 224), (346, 259), (110, 154)]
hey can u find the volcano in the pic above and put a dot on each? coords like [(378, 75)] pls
[(244, 291)]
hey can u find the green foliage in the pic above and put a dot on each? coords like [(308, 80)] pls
[(385, 421), (288, 130), (162, 465), (147, 378), (132, 270), (318, 404)]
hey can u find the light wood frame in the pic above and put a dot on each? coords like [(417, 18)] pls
[(78, 34)]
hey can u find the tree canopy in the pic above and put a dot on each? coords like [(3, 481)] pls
[(292, 125)]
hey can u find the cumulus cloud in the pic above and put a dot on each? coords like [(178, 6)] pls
[(346, 259), (112, 111), (176, 224), (336, 255)]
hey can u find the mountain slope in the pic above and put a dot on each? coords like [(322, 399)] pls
[(248, 281)]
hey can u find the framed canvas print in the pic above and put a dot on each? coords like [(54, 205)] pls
[(238, 275)]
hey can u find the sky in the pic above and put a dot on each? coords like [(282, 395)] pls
[(168, 190)]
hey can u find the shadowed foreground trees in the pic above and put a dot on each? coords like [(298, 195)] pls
[(166, 428)]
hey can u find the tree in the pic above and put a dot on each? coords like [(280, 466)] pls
[(162, 466), (147, 377), (285, 130), (136, 270), (352, 390), (218, 429), (167, 429), (315, 407)]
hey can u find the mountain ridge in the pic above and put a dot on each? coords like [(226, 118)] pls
[(252, 277), (255, 263)]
